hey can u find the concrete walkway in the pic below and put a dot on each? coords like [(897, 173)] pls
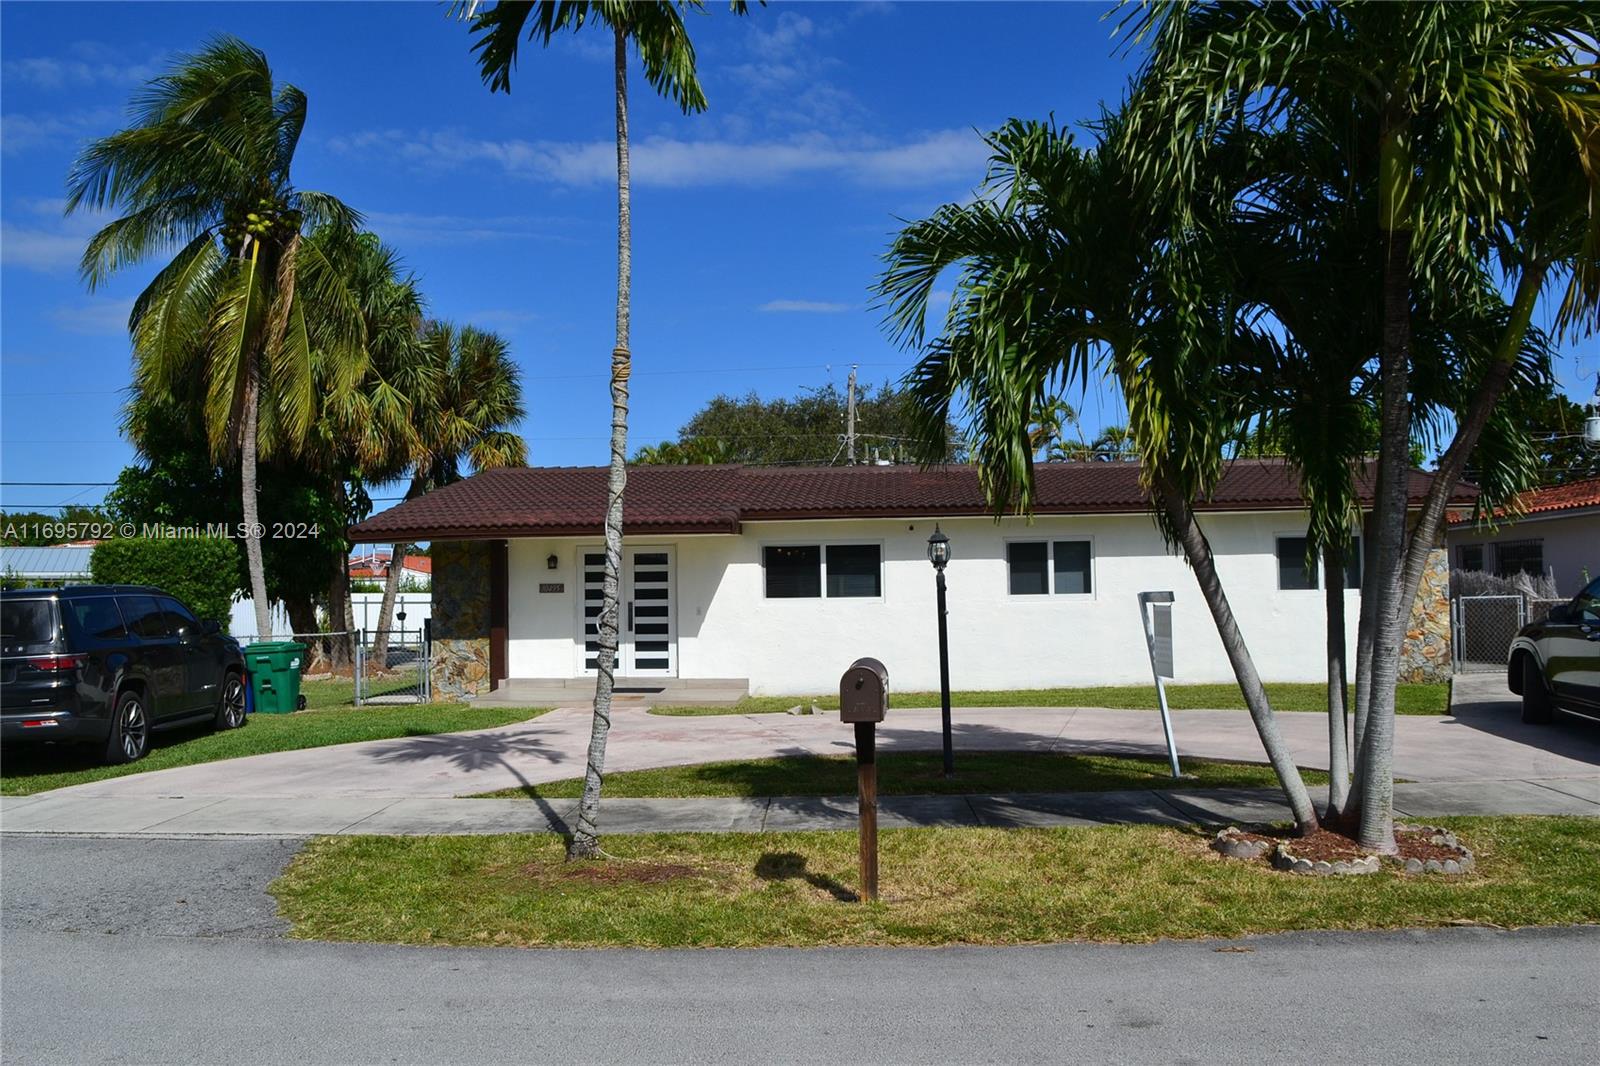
[(173, 816), (1478, 759)]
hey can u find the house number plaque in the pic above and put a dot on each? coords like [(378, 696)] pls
[(552, 586)]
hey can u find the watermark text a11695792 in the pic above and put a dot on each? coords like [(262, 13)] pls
[(78, 531)]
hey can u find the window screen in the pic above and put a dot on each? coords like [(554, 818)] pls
[(793, 573), (1072, 568), (1029, 562), (1520, 557), (1469, 557), (1293, 573), (854, 570)]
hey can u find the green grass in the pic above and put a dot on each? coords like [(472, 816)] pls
[(915, 774), (1128, 883), (26, 770), (1285, 696)]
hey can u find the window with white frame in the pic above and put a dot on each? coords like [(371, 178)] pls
[(1050, 567), (813, 571), (1296, 572)]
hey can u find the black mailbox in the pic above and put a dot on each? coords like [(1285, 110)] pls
[(864, 692)]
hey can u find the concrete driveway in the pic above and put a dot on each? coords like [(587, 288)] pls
[(1483, 739)]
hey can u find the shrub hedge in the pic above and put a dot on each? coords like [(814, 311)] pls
[(203, 572)]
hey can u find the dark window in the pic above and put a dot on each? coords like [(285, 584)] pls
[(1293, 573), (144, 616), (854, 570), (1072, 567), (180, 619), (1029, 563), (24, 622), (1352, 564), (1587, 602), (1520, 557), (99, 619), (793, 573), (1469, 557)]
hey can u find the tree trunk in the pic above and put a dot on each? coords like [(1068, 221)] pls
[(585, 841), (391, 587), (1374, 792), (1197, 550), (1338, 704), (252, 517), (303, 620), (341, 649)]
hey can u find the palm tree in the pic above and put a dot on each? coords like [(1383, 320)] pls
[(1472, 109), (656, 29), (366, 435), (1114, 443), (466, 392), (246, 302), (1061, 269)]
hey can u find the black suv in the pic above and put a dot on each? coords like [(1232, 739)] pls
[(106, 664), (1555, 664)]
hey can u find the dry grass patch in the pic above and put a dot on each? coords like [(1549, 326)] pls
[(939, 886)]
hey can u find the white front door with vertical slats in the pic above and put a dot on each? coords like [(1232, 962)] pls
[(649, 638)]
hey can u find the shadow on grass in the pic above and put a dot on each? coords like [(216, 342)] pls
[(22, 761), (480, 752), (791, 866)]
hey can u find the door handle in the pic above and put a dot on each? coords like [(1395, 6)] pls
[(630, 616)]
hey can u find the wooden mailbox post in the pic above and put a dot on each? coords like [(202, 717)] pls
[(864, 700)]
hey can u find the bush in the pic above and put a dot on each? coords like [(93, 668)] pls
[(203, 572)]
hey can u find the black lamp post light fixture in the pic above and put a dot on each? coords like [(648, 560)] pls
[(939, 555)]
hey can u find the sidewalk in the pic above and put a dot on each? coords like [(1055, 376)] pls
[(176, 816)]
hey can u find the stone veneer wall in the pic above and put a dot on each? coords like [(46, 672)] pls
[(460, 666), (1425, 655)]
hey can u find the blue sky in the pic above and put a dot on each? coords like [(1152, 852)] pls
[(758, 225)]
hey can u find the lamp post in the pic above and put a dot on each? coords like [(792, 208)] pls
[(938, 555)]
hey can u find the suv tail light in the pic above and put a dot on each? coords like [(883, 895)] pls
[(57, 663)]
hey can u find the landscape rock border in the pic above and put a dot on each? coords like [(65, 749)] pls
[(1234, 846), (1463, 863), (1284, 859)]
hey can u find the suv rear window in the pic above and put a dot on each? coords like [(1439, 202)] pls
[(26, 623), (98, 619)]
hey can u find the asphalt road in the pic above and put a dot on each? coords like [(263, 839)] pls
[(169, 951)]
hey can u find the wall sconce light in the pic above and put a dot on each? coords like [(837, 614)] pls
[(551, 563)]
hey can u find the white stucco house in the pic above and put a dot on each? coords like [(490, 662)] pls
[(1557, 536), (780, 577)]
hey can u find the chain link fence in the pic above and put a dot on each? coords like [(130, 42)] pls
[(391, 666), (1483, 627)]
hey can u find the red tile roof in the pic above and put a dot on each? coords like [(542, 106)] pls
[(570, 501), (1574, 495)]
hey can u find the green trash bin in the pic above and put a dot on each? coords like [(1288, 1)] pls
[(274, 667)]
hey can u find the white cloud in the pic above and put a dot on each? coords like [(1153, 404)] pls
[(930, 159), (98, 316), (89, 63), (25, 132), (48, 247), (805, 307)]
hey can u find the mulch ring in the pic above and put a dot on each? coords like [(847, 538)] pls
[(1423, 849)]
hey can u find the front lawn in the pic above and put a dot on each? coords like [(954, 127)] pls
[(1128, 883), (27, 770), (916, 774), (1285, 696)]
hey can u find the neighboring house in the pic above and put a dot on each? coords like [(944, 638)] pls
[(1558, 535), (781, 577), (374, 566), (58, 564)]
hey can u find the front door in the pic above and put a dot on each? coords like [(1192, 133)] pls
[(649, 639)]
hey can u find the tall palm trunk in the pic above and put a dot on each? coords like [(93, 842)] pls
[(1338, 704), (252, 517), (1374, 792), (586, 840), (1197, 550), (391, 588), (341, 619)]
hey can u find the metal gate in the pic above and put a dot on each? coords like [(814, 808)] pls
[(394, 670), (1483, 626)]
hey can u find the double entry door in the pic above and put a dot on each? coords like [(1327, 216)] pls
[(648, 641)]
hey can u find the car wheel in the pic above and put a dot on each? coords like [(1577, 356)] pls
[(130, 730), (230, 712), (1535, 697)]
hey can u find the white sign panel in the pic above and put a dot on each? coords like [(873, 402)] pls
[(1162, 617)]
